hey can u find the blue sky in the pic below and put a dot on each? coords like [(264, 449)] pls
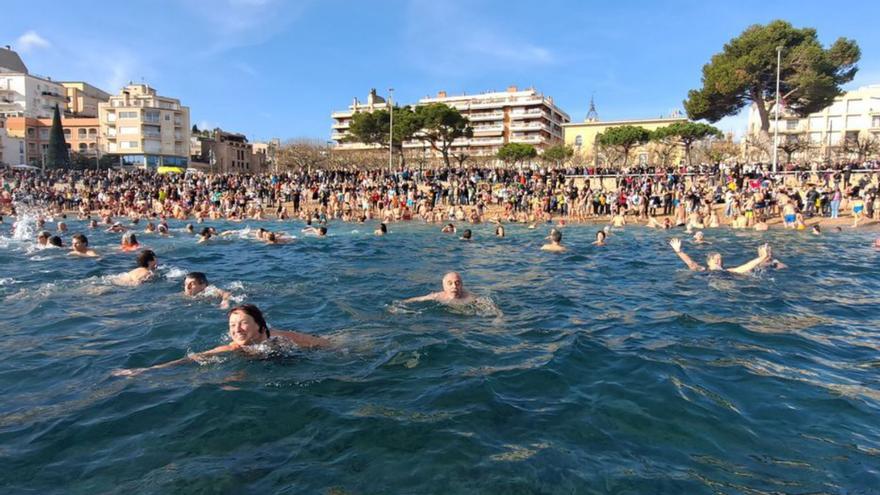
[(275, 68)]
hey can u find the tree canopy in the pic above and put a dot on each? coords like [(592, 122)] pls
[(557, 154), (441, 125), (516, 153), (623, 139), (745, 71)]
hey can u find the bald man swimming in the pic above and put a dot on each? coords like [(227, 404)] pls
[(453, 292)]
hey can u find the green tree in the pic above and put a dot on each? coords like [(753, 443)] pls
[(622, 139), (557, 154), (516, 153), (58, 156), (375, 127), (441, 125), (745, 71), (686, 134)]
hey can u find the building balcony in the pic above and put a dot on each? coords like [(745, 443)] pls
[(531, 114), (336, 136), (475, 117), (486, 141), (488, 130), (8, 91), (54, 96), (487, 104), (340, 125), (4, 103), (526, 139), (342, 115), (531, 126)]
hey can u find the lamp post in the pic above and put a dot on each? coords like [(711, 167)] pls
[(391, 130), (776, 109)]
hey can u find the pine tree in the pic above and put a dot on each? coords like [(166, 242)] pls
[(58, 155)]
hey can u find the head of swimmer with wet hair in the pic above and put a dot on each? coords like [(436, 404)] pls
[(43, 238), (247, 325), (600, 238), (555, 236), (194, 283), (147, 259), (466, 235), (129, 240), (714, 261), (453, 286), (56, 241)]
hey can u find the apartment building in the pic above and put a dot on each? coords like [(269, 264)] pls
[(853, 113), (498, 118), (11, 147), (228, 152), (23, 94), (342, 120), (80, 134), (83, 99), (143, 129)]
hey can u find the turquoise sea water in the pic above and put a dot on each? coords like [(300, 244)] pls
[(601, 370)]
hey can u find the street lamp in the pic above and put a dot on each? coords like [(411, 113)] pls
[(391, 130), (776, 108)]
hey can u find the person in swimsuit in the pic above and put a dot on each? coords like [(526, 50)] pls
[(555, 244), (453, 292), (714, 260), (196, 283), (247, 328), (81, 247)]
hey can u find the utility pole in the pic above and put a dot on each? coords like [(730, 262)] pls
[(391, 130), (776, 108)]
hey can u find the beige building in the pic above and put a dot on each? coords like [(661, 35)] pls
[(582, 137), (144, 129), (227, 152), (498, 118), (83, 99), (855, 113), (23, 94)]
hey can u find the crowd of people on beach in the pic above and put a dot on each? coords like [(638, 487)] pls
[(741, 196)]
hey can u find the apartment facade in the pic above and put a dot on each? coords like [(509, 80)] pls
[(583, 137), (11, 147), (140, 128), (342, 120), (853, 114), (83, 99), (80, 134), (227, 152), (27, 95), (498, 118)]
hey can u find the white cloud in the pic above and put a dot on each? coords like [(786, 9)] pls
[(233, 23), (31, 40), (466, 42)]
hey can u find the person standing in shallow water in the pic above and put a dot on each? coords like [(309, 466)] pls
[(453, 292), (247, 328)]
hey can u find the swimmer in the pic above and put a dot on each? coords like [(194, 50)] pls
[(600, 238), (247, 328), (275, 238), (55, 241), (93, 224), (618, 220), (190, 229), (714, 260), (129, 242), (196, 283), (319, 232), (163, 230), (80, 247), (150, 228), (62, 227), (204, 235), (499, 230), (448, 229), (761, 226), (555, 244), (43, 238), (816, 230), (382, 230), (453, 292), (147, 264), (877, 243), (116, 228), (467, 235), (699, 238)]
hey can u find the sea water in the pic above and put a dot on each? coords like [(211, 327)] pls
[(601, 370)]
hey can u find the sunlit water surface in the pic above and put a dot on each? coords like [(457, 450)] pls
[(602, 370)]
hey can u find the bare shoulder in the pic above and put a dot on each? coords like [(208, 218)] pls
[(302, 339)]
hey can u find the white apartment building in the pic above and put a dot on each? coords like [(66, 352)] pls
[(498, 118), (342, 120), (852, 113), (11, 148), (26, 95), (144, 129)]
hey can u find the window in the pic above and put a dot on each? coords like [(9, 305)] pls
[(875, 121), (128, 144), (578, 140), (129, 130), (151, 116), (82, 146), (44, 133), (66, 133), (128, 115), (791, 125), (167, 117), (851, 136), (855, 106), (82, 133), (111, 117), (815, 137)]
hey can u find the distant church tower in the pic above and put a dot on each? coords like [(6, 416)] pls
[(592, 115)]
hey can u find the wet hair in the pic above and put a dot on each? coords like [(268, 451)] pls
[(129, 239), (80, 237), (44, 234), (206, 232), (555, 235), (55, 241), (383, 228), (135, 221), (322, 230), (271, 237), (199, 277), (255, 313), (466, 234), (189, 227), (145, 258), (601, 234)]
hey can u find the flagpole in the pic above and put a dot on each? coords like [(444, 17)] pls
[(776, 108)]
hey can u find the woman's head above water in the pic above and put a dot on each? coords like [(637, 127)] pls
[(247, 325)]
